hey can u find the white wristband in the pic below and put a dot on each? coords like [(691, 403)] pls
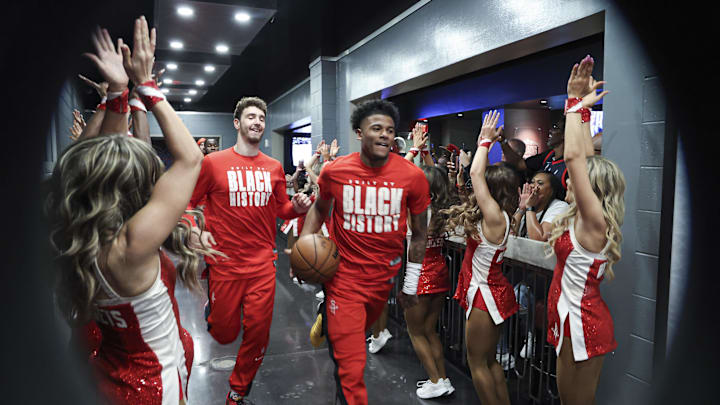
[(412, 275)]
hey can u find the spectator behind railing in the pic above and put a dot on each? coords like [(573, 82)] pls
[(541, 201), (586, 240), (483, 291)]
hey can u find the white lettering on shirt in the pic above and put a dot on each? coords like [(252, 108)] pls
[(369, 209)]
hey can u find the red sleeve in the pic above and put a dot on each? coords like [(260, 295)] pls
[(203, 184), (324, 183), (419, 195), (285, 209)]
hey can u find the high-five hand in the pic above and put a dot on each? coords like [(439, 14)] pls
[(109, 60), (139, 64), (489, 130)]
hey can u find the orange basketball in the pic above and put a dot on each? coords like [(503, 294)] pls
[(314, 258)]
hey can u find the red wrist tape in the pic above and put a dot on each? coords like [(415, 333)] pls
[(573, 105), (485, 142), (136, 105), (150, 94), (118, 101)]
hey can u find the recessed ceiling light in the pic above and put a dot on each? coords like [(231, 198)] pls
[(171, 66), (166, 91), (209, 68), (176, 45), (185, 11), (242, 17), (192, 92), (200, 82), (460, 114), (221, 48), (167, 80), (187, 99), (543, 101)]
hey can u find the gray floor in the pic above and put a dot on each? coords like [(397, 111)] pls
[(295, 373)]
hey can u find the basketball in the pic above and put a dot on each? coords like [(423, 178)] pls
[(314, 258)]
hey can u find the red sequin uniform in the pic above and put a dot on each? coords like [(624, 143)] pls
[(575, 296), (482, 272), (434, 276), (145, 356)]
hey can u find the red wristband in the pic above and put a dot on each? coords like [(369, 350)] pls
[(486, 143), (102, 106), (414, 151), (574, 105), (118, 101), (150, 94), (136, 105)]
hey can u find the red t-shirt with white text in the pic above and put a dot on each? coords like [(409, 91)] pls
[(244, 195), (369, 215)]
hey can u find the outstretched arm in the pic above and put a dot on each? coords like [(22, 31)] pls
[(109, 62), (493, 220), (580, 84), (590, 214), (149, 227), (138, 111), (92, 129), (419, 141)]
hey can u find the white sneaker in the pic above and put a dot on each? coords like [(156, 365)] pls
[(429, 389), (450, 389), (528, 348), (378, 343)]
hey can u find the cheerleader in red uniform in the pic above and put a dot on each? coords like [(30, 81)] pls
[(111, 207), (433, 285), (483, 291), (586, 240)]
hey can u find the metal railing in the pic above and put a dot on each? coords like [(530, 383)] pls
[(523, 351)]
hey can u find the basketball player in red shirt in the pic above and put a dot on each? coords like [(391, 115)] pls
[(244, 189), (371, 193)]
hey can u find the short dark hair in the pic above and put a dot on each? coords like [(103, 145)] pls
[(372, 107), (246, 102)]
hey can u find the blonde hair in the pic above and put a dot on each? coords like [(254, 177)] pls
[(608, 183), (96, 186), (503, 185)]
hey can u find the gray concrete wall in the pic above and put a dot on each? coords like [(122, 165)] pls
[(204, 124), (293, 106), (633, 137)]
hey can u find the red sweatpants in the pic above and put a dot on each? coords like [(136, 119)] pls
[(350, 310), (246, 303)]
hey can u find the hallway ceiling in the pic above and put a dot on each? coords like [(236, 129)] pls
[(269, 47)]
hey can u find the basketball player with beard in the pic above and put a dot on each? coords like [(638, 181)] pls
[(371, 193), (245, 191)]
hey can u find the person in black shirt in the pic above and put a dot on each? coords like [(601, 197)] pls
[(550, 161)]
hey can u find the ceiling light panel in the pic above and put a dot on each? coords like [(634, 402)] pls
[(185, 11), (232, 24)]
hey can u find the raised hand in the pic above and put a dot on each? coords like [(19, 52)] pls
[(489, 129), (139, 64), (419, 138), (320, 147), (527, 190), (334, 149), (532, 199), (101, 87), (581, 83), (109, 60), (465, 158)]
